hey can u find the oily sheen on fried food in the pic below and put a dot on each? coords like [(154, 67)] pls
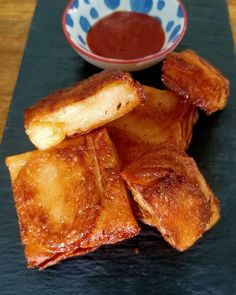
[(69, 194)]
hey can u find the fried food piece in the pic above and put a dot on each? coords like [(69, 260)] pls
[(172, 195), (70, 199), (162, 118), (197, 81), (215, 212), (81, 108), (148, 219)]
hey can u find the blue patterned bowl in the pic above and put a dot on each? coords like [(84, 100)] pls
[(80, 15)]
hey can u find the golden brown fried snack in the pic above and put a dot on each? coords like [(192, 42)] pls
[(81, 108), (162, 118), (198, 82), (172, 195), (215, 212), (70, 199)]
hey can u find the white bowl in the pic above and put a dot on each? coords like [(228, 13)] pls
[(80, 15)]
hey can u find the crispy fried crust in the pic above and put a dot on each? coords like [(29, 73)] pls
[(81, 108), (198, 82), (215, 212), (69, 199), (162, 118), (172, 195), (115, 222)]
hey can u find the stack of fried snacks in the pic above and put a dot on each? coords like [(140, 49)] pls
[(69, 194)]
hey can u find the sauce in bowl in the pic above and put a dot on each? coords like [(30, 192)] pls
[(126, 35)]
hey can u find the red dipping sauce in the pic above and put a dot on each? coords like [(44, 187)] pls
[(126, 35)]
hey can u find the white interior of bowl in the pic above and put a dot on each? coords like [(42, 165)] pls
[(82, 14)]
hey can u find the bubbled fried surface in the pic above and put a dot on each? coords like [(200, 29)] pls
[(197, 81), (81, 91), (53, 207), (61, 196), (115, 221), (162, 118), (172, 195)]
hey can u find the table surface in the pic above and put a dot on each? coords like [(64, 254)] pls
[(15, 19)]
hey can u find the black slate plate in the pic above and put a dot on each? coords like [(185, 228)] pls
[(207, 268)]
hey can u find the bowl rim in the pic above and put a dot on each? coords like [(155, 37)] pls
[(99, 58)]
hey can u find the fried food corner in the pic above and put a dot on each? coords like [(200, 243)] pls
[(172, 195), (81, 108), (195, 80), (69, 199)]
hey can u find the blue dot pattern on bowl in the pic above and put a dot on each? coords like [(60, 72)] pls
[(81, 40), (84, 23), (94, 13), (169, 26), (180, 12), (160, 4), (75, 4), (69, 21), (112, 4), (82, 14), (174, 33), (141, 6)]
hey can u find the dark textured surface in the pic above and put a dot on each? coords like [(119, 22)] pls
[(207, 268)]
